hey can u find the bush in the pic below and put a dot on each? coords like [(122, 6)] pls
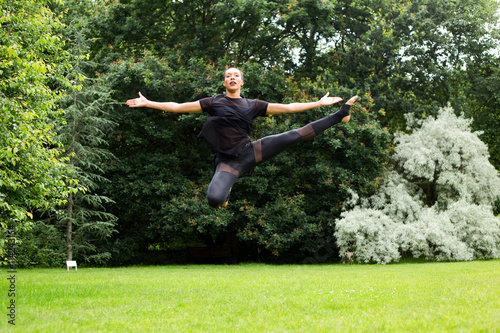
[(439, 205), (369, 235)]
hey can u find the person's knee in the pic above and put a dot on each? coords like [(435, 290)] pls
[(216, 197), (305, 133), (215, 200)]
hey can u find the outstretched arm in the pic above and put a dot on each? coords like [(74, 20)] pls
[(189, 107), (274, 108)]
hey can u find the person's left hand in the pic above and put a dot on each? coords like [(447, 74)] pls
[(137, 102), (325, 100)]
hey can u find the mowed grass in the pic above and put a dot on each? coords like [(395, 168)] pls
[(407, 297)]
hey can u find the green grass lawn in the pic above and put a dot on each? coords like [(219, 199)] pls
[(425, 297)]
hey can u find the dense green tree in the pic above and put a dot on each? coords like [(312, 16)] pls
[(412, 56), (164, 169), (401, 57), (31, 169), (158, 155), (395, 53), (484, 85), (238, 30)]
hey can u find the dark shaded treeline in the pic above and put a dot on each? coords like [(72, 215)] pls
[(400, 57)]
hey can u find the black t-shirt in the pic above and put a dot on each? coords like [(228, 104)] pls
[(230, 123)]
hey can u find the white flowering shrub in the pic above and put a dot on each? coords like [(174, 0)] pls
[(369, 235), (476, 226), (400, 199), (448, 162), (437, 238), (438, 205)]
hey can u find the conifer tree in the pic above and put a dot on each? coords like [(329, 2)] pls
[(82, 134)]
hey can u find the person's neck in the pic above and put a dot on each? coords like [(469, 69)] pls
[(235, 94)]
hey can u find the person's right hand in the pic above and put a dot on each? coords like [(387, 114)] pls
[(137, 102)]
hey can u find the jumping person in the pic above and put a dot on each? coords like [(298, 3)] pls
[(230, 123)]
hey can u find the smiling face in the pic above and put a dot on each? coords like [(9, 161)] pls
[(233, 81)]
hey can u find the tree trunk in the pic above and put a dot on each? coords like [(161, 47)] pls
[(69, 224), (69, 230)]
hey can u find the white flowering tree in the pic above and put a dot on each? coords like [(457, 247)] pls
[(438, 203)]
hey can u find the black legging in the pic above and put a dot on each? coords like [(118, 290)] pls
[(228, 171)]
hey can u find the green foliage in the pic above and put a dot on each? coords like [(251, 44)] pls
[(277, 226), (412, 56), (44, 245), (162, 169), (485, 86), (158, 156), (32, 174), (83, 134), (438, 203), (81, 224), (402, 58)]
